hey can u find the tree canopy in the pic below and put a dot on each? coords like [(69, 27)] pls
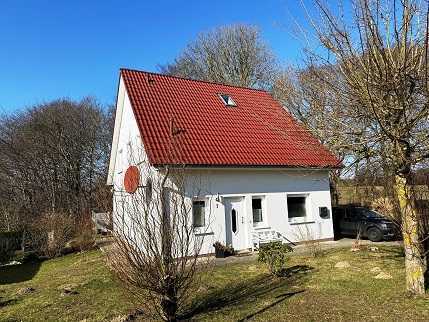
[(234, 55)]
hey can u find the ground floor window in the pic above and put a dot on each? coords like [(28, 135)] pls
[(257, 211), (198, 213), (296, 207)]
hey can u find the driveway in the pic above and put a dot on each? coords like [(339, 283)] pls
[(301, 249), (348, 242)]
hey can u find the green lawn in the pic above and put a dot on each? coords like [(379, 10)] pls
[(99, 295), (313, 290)]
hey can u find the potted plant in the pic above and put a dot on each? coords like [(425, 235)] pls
[(222, 250)]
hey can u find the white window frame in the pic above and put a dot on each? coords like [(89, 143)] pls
[(205, 213), (230, 102), (308, 216), (207, 229), (264, 222)]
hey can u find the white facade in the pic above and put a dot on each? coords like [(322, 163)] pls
[(235, 188), (228, 192)]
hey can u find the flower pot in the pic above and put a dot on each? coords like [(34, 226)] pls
[(220, 253)]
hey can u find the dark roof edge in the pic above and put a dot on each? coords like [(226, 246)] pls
[(233, 166)]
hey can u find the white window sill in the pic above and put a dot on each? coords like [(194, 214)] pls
[(207, 233), (261, 227), (202, 231), (302, 222)]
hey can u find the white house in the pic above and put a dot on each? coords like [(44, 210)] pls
[(264, 176)]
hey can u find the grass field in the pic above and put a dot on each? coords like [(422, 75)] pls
[(312, 290)]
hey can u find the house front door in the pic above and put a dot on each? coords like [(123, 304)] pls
[(235, 223)]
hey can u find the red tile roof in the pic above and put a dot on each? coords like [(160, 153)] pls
[(184, 121)]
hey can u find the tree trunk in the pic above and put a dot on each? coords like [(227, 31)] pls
[(334, 189), (415, 261), (169, 292), (169, 300)]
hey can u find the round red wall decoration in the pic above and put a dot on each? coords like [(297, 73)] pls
[(131, 179)]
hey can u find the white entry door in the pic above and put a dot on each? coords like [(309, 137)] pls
[(235, 223)]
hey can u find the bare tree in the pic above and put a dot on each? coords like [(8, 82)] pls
[(308, 99), (53, 160), (373, 71), (233, 55), (53, 157), (156, 250)]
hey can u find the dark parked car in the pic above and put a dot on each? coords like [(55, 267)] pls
[(349, 220)]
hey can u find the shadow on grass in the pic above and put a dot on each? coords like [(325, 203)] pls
[(18, 273), (248, 291), (297, 269), (4, 303), (280, 298)]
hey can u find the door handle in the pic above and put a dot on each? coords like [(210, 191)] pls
[(242, 220)]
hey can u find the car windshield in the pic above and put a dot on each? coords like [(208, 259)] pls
[(371, 214)]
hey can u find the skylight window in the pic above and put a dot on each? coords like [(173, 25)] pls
[(227, 100)]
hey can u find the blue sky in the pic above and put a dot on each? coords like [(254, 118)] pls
[(52, 49)]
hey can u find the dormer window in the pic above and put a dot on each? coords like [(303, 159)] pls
[(227, 100)]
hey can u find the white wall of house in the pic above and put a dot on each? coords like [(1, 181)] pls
[(274, 186), (127, 146), (231, 185), (127, 149)]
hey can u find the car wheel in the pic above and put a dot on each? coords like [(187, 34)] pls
[(374, 234)]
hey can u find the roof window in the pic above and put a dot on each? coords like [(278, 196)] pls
[(227, 100)]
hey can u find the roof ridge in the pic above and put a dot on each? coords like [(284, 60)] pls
[(193, 80)]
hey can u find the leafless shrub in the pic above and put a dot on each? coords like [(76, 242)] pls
[(85, 234), (310, 240), (10, 234), (50, 233), (386, 207), (9, 221), (356, 243), (155, 250), (10, 241)]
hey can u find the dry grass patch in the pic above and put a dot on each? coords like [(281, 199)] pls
[(312, 289)]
